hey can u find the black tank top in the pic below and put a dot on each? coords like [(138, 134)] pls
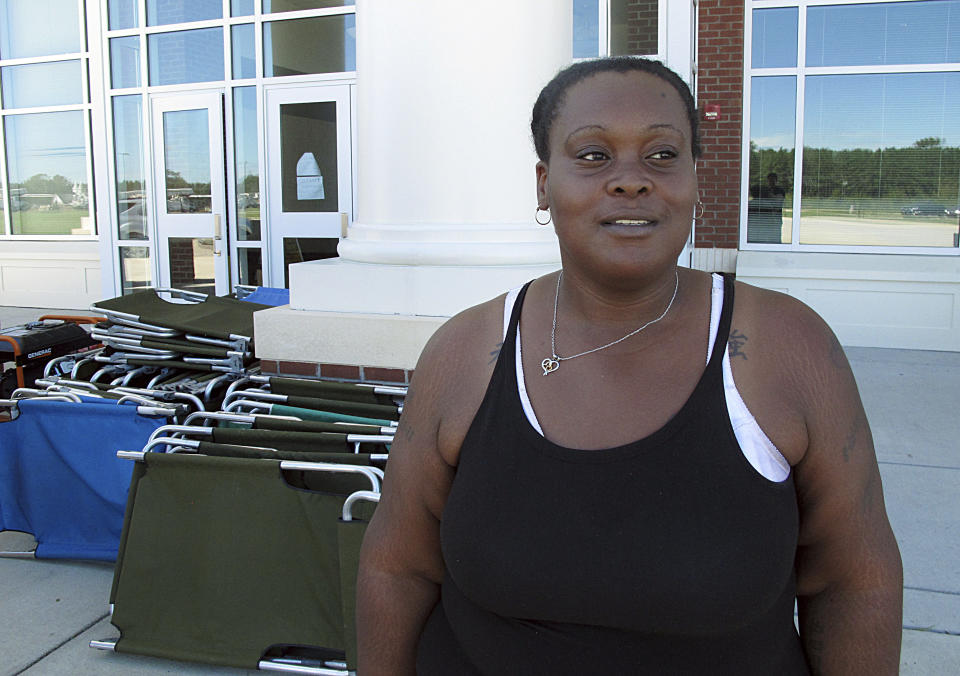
[(668, 555)]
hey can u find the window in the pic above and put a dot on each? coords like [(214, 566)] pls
[(45, 158), (868, 96), (47, 174), (616, 28), (180, 57), (324, 44)]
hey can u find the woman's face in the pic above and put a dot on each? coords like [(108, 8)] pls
[(621, 182)]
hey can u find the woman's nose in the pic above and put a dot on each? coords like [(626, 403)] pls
[(631, 180)]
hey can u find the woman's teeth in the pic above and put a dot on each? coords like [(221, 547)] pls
[(624, 221)]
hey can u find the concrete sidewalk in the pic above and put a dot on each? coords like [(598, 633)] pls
[(54, 608)]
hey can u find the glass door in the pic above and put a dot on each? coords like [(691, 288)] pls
[(189, 178), (309, 174)]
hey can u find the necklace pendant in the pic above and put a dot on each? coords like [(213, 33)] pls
[(549, 365)]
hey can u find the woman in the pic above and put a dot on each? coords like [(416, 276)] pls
[(647, 474)]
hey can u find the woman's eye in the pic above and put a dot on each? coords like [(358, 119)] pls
[(663, 155), (592, 156)]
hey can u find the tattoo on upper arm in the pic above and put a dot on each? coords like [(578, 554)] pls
[(494, 353), (736, 342), (406, 432)]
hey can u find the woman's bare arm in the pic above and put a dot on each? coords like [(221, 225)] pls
[(849, 573), (401, 566)]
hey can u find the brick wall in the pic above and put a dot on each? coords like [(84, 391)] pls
[(720, 82), (642, 26)]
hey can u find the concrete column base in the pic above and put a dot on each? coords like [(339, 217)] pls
[(344, 313), (337, 285)]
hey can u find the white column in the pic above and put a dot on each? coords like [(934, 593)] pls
[(446, 187)]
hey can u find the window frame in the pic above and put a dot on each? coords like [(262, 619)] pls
[(801, 72)]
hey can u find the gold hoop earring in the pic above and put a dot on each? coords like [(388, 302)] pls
[(536, 216), (702, 210)]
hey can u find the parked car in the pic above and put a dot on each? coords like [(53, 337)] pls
[(925, 209)]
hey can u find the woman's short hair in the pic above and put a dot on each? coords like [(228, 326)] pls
[(551, 98)]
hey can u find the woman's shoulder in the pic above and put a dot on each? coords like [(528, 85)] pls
[(784, 323), (458, 345), (454, 369)]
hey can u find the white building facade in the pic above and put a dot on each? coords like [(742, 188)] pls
[(211, 143)]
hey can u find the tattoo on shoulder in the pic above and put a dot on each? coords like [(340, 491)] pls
[(494, 353), (406, 432), (736, 342)]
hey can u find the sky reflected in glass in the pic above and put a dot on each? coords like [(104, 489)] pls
[(881, 110), (884, 33), (586, 28), (774, 43), (42, 84), (19, 38), (241, 7), (243, 51), (125, 62)]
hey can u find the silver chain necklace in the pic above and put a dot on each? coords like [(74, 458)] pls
[(552, 363)]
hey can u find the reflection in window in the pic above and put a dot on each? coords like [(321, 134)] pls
[(325, 44), (163, 12), (241, 7), (881, 160), (192, 264), (308, 156), (773, 103), (247, 169), (123, 14), (297, 5), (125, 62), (186, 161), (185, 56), (134, 268), (774, 40), (42, 84), (300, 249), (250, 264), (586, 28), (244, 51), (47, 172), (633, 27), (884, 33), (127, 130), (19, 38)]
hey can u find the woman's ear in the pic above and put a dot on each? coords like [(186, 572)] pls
[(542, 201)]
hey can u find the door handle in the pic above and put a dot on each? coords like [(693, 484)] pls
[(217, 234)]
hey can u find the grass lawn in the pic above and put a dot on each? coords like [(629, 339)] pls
[(48, 222)]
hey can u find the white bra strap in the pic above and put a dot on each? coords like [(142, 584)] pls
[(508, 304)]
